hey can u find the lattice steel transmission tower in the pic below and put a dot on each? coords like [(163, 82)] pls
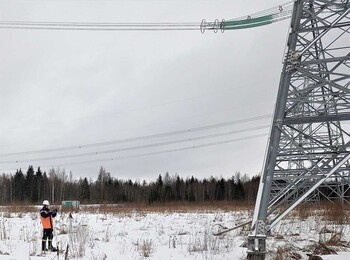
[(309, 146)]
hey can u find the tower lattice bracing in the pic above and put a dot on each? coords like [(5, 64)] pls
[(308, 153)]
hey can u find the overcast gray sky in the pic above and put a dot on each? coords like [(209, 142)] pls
[(76, 88)]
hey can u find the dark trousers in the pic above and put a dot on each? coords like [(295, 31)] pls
[(47, 235)]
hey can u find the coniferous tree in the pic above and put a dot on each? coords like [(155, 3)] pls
[(205, 189), (84, 190), (159, 188), (18, 185), (46, 187), (29, 183), (179, 183), (220, 190), (38, 186)]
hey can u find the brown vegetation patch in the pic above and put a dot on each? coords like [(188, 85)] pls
[(19, 208), (138, 207), (319, 248), (286, 252), (337, 214), (334, 213), (167, 207)]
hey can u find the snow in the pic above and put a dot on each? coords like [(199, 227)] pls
[(340, 256), (152, 235)]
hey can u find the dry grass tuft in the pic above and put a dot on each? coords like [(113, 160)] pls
[(319, 248), (335, 240), (286, 252), (146, 248)]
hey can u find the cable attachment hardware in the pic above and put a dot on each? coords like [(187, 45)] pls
[(222, 25), (203, 26), (214, 26)]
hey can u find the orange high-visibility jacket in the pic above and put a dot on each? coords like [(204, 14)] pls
[(46, 218)]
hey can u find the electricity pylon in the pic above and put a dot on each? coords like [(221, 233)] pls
[(308, 150)]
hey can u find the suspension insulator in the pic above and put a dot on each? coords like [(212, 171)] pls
[(222, 25), (203, 26), (216, 25)]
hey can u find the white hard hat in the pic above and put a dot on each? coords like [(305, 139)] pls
[(46, 203)]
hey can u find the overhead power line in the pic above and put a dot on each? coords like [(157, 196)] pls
[(138, 138), (265, 17), (86, 26), (154, 153), (138, 147)]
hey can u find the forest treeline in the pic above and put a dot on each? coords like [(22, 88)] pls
[(33, 186)]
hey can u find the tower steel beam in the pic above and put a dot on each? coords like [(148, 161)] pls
[(308, 153)]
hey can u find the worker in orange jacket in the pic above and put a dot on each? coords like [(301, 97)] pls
[(46, 217)]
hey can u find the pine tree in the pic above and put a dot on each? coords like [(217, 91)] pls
[(19, 186), (38, 186), (84, 190), (29, 183)]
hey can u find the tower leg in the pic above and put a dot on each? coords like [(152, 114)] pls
[(256, 247)]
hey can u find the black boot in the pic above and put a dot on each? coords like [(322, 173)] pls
[(43, 246), (52, 248)]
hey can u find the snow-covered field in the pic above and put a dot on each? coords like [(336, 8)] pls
[(165, 235)]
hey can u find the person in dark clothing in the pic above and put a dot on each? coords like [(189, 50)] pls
[(46, 217)]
